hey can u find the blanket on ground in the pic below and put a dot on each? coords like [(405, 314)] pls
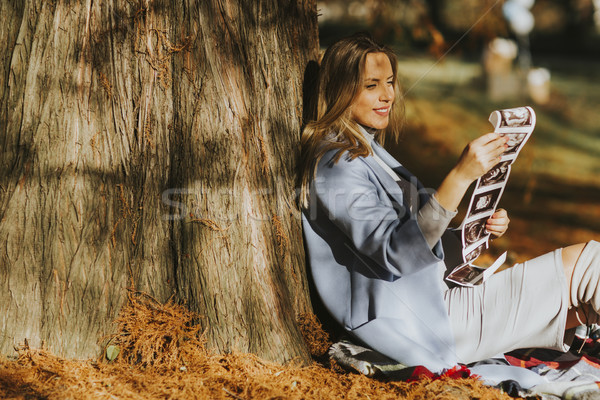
[(574, 375)]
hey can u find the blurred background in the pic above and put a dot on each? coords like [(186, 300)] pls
[(462, 59)]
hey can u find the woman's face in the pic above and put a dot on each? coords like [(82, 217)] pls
[(372, 105)]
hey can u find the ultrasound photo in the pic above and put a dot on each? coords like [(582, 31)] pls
[(467, 274), (496, 174), (474, 231), (486, 201), (472, 255), (515, 117), (514, 141)]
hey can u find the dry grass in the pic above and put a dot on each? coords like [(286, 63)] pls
[(162, 356)]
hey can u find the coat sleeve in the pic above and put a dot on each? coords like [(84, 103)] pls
[(433, 219), (352, 198)]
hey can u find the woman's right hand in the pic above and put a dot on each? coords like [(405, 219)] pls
[(480, 156)]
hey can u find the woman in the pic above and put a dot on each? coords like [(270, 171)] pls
[(373, 234)]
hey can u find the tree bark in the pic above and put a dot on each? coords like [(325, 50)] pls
[(152, 145)]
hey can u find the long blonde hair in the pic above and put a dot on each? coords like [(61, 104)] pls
[(340, 81)]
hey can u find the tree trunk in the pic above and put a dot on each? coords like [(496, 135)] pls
[(152, 145)]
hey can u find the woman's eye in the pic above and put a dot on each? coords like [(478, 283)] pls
[(391, 83), (371, 86)]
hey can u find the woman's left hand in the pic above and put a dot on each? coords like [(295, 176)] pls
[(497, 224)]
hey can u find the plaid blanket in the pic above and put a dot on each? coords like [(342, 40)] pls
[(574, 375), (571, 375), (374, 364)]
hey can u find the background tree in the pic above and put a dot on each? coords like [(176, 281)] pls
[(152, 145)]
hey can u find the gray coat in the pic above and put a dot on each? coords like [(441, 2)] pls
[(371, 265), (375, 272)]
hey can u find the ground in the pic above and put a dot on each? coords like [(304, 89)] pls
[(161, 355)]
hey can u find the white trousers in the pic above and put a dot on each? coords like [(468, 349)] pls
[(520, 307)]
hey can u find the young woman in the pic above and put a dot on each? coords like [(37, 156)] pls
[(373, 234)]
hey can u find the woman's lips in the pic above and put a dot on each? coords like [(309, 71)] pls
[(384, 111)]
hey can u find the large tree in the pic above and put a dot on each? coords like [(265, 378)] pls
[(152, 145)]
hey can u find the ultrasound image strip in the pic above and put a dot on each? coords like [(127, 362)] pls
[(517, 124)]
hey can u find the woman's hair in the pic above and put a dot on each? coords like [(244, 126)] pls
[(340, 81)]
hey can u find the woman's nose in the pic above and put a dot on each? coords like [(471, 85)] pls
[(387, 94)]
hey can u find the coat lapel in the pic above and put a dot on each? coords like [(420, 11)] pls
[(400, 170), (389, 184), (395, 165)]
